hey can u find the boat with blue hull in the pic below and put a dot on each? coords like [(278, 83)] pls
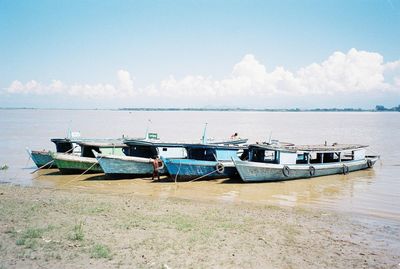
[(276, 162), (44, 158), (204, 161), (140, 158)]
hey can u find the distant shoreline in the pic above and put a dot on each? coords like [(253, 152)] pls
[(213, 109)]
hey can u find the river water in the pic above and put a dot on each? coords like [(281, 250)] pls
[(374, 192)]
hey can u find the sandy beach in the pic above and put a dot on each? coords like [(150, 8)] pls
[(53, 228)]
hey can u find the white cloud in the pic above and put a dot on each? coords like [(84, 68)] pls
[(355, 71), (124, 89), (34, 87), (346, 73)]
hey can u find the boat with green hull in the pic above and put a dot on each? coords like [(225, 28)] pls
[(86, 162), (73, 164)]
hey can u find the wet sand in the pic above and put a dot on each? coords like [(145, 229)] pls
[(47, 227)]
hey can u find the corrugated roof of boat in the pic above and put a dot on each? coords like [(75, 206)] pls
[(185, 144), (103, 144), (311, 148)]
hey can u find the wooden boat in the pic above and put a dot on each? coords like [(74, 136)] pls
[(142, 155), (204, 161), (44, 158), (275, 161), (86, 162), (139, 159), (233, 141)]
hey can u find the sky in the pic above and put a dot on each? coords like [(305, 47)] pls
[(205, 53)]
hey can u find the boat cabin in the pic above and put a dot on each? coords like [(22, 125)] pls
[(207, 152), (147, 149), (106, 148), (63, 145), (305, 154)]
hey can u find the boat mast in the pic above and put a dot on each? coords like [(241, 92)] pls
[(204, 138), (147, 129)]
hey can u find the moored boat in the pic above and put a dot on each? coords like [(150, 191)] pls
[(204, 161), (275, 161), (44, 158), (86, 162), (139, 159)]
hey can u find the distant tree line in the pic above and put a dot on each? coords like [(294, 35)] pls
[(383, 108), (378, 108)]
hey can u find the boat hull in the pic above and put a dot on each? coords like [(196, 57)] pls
[(43, 159), (189, 169), (72, 164), (258, 172), (126, 166)]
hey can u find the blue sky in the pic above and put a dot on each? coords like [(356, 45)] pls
[(199, 53)]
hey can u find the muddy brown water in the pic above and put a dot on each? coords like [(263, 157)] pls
[(374, 192)]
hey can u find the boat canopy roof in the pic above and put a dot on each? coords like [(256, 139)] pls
[(102, 144), (134, 142), (60, 140), (214, 146), (335, 147), (156, 143), (229, 141)]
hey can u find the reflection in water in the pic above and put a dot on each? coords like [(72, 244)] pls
[(374, 192)]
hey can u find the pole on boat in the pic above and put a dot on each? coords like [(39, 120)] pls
[(147, 129), (204, 138), (69, 131)]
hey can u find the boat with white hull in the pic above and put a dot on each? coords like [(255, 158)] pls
[(140, 158), (275, 162)]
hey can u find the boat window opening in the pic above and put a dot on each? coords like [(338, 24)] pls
[(87, 151), (269, 156), (244, 155), (331, 157), (143, 151), (63, 147), (347, 156), (257, 155), (126, 151), (326, 157), (315, 157), (202, 154), (302, 158), (164, 149), (265, 156)]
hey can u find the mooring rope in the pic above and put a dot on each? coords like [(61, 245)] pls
[(179, 169), (34, 171), (97, 161)]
